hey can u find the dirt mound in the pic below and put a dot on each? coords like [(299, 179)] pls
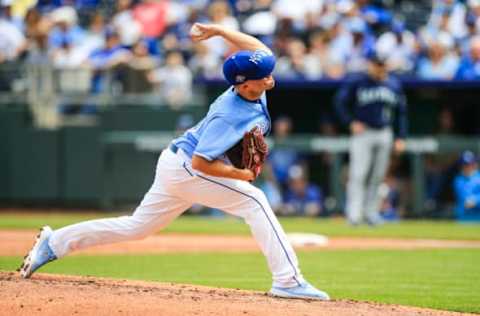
[(68, 295)]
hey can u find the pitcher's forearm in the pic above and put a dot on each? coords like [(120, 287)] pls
[(239, 40), (242, 41), (218, 168)]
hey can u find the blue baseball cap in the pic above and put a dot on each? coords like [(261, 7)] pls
[(248, 65), (467, 158)]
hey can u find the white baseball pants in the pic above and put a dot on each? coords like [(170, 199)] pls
[(175, 188), (369, 158)]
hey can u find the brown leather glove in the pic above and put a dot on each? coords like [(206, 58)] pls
[(255, 151)]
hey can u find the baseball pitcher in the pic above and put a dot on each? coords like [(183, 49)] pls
[(212, 164), (370, 104)]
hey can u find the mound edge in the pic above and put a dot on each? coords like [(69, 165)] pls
[(47, 294)]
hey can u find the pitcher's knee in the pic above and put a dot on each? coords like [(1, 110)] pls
[(259, 205), (258, 195)]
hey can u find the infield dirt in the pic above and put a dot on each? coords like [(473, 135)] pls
[(68, 295), (18, 242)]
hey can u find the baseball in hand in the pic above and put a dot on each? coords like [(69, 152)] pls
[(195, 30)]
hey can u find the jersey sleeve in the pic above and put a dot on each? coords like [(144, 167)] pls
[(216, 139), (343, 100)]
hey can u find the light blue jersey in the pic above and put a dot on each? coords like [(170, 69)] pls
[(227, 120)]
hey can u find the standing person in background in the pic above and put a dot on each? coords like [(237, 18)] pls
[(377, 102), (467, 188)]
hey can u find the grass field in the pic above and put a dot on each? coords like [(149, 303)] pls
[(441, 279), (231, 226), (446, 279)]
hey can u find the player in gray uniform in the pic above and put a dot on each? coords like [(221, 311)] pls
[(369, 104), (195, 169)]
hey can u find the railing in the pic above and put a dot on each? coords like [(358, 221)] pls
[(416, 148), (45, 88)]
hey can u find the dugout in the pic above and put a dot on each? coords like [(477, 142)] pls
[(111, 162)]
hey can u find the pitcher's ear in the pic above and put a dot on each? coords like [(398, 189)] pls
[(243, 86)]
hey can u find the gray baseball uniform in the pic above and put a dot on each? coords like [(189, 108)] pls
[(378, 105)]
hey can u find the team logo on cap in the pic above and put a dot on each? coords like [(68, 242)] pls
[(239, 78), (257, 56)]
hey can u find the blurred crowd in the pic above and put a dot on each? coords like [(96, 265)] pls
[(147, 41), (144, 46)]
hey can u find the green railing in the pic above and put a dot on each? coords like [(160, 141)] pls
[(416, 148)]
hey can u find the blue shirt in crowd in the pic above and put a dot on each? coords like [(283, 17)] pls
[(377, 104), (230, 116), (312, 195), (281, 160), (468, 69), (467, 188)]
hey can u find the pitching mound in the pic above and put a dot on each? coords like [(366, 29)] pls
[(68, 295)]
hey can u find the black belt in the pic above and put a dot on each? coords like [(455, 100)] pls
[(173, 148)]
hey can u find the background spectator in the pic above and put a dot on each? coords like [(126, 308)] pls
[(12, 41), (141, 63), (440, 169), (107, 59), (219, 13), (441, 61), (65, 27), (174, 80), (152, 17), (293, 64), (467, 188), (302, 197), (282, 159), (129, 29), (313, 39), (204, 63), (260, 20), (399, 47), (470, 65), (390, 196)]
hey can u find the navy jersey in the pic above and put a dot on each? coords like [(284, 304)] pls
[(377, 104)]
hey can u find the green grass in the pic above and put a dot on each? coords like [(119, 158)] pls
[(232, 226), (440, 279)]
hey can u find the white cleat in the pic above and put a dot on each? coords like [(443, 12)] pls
[(40, 254), (305, 291)]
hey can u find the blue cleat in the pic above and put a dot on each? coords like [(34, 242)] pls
[(306, 291), (40, 254)]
